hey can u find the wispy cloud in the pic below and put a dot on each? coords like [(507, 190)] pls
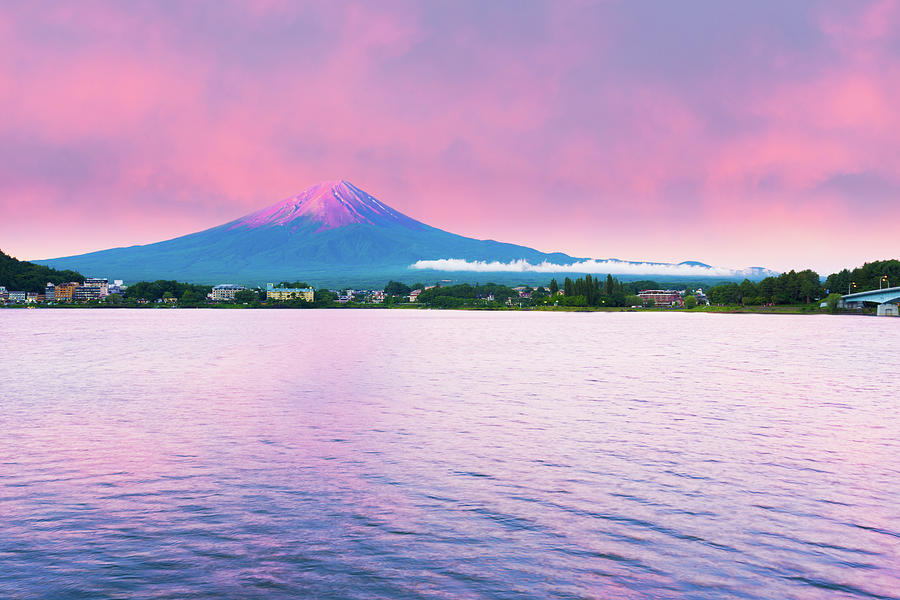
[(609, 266)]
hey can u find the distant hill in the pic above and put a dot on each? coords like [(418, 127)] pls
[(23, 276), (336, 234)]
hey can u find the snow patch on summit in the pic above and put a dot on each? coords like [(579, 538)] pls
[(330, 204)]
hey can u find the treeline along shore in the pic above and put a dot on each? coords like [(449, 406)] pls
[(27, 284)]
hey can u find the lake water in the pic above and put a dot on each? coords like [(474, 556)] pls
[(440, 454)]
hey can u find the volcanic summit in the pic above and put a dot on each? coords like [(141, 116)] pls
[(331, 204)]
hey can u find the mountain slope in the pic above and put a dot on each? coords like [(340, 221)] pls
[(333, 230), (336, 234)]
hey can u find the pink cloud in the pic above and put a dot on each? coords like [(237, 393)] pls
[(577, 128)]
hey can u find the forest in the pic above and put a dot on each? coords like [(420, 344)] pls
[(805, 287), (23, 276)]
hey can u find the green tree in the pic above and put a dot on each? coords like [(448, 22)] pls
[(840, 282), (193, 297), (833, 302), (151, 290), (572, 301), (20, 275), (396, 288), (246, 297), (324, 297), (867, 277), (791, 287), (810, 286), (690, 301), (766, 289), (447, 302), (725, 293), (748, 291), (468, 295), (554, 287), (612, 285)]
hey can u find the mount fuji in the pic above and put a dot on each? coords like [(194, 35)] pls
[(336, 234)]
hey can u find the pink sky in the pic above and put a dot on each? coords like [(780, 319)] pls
[(738, 134)]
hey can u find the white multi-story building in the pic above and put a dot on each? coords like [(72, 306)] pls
[(225, 292), (99, 287)]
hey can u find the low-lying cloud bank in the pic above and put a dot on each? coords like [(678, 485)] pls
[(611, 267)]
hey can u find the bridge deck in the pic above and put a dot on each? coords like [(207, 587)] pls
[(891, 294)]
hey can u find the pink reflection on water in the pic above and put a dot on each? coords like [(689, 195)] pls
[(465, 454)]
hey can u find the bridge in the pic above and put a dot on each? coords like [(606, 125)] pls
[(886, 299)]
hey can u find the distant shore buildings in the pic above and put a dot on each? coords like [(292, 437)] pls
[(65, 292), (93, 288), (670, 297), (224, 292), (662, 297), (283, 293)]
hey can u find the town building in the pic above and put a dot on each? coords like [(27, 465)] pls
[(282, 294), (34, 298), (117, 287), (4, 295), (376, 297), (662, 297), (85, 293), (224, 292), (414, 295), (50, 292), (101, 284), (16, 297), (65, 292)]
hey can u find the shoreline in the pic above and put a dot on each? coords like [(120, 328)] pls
[(757, 310)]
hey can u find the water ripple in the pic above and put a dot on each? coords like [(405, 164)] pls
[(426, 455)]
